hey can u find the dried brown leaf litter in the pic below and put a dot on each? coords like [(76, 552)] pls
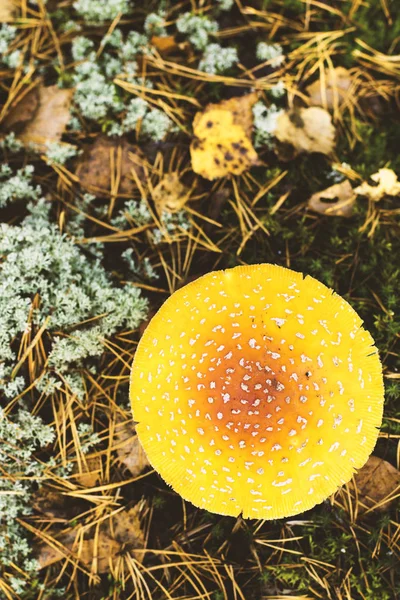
[(109, 167), (99, 545), (332, 89), (336, 201), (378, 482), (307, 130), (41, 117), (129, 450)]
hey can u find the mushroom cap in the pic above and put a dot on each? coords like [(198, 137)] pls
[(256, 391)]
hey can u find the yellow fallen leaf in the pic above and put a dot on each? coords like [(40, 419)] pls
[(170, 194), (222, 143), (164, 44), (7, 10), (41, 117), (377, 481), (331, 90), (336, 201), (241, 108), (306, 129), (387, 184)]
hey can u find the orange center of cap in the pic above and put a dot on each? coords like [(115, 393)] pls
[(256, 391)]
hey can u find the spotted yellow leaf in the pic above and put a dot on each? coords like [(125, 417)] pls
[(222, 143)]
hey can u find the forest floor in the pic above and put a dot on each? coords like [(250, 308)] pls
[(108, 205)]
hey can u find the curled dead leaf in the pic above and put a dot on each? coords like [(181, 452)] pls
[(306, 129), (331, 90), (106, 167), (377, 481), (129, 450), (40, 118), (101, 545), (336, 201), (222, 142), (386, 184), (170, 194)]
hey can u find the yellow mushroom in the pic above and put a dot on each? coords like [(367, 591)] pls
[(256, 391)]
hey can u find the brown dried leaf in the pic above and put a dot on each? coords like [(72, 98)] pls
[(121, 532), (170, 194), (7, 10), (23, 112), (41, 117), (126, 528), (49, 554), (99, 555), (222, 142), (387, 184), (377, 480), (129, 450), (306, 129), (107, 160), (91, 472), (164, 44), (333, 91), (342, 196), (50, 503)]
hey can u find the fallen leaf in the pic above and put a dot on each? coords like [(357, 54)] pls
[(21, 112), (306, 129), (241, 108), (222, 142), (119, 533), (217, 202), (332, 90), (99, 555), (41, 117), (50, 503), (377, 480), (129, 450), (170, 194), (107, 164), (91, 472), (126, 528), (336, 201), (164, 44), (387, 184), (49, 554), (7, 10)]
